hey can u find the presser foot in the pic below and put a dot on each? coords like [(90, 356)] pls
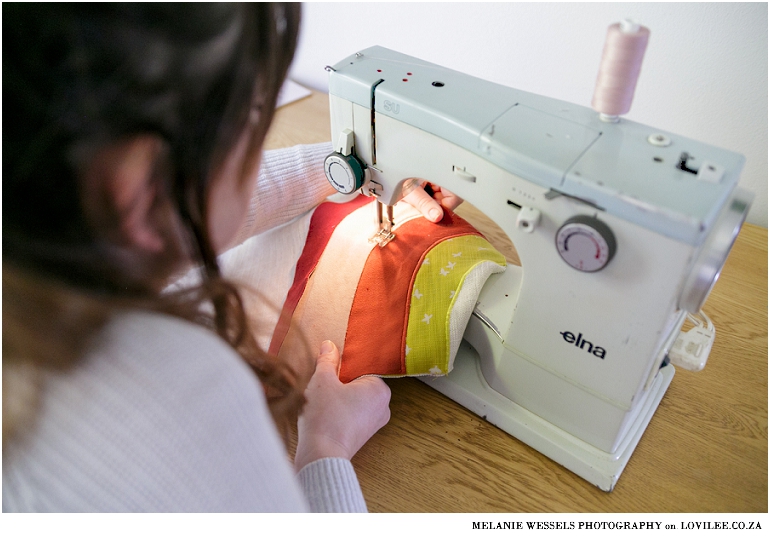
[(385, 224), (382, 237)]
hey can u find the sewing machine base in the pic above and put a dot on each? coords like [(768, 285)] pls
[(467, 386)]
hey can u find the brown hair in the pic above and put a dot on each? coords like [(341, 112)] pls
[(79, 77)]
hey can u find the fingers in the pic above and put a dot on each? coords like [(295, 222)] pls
[(447, 198), (329, 358), (428, 207), (338, 419), (371, 389), (430, 204)]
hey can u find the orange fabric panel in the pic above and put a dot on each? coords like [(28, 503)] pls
[(376, 333)]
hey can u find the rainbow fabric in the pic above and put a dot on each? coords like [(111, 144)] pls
[(394, 311)]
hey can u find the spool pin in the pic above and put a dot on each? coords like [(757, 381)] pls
[(619, 69)]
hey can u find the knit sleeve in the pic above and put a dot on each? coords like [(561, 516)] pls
[(331, 485), (162, 416), (291, 181)]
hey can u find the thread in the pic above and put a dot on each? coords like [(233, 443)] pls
[(619, 69)]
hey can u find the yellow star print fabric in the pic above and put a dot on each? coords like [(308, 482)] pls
[(434, 295)]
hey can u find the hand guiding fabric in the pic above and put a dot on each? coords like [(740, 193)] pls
[(338, 418), (429, 204)]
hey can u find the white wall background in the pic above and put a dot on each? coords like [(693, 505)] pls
[(704, 74)]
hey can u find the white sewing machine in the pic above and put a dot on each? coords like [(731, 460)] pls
[(620, 235)]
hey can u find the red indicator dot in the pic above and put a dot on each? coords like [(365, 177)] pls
[(406, 80), (408, 74), (379, 70)]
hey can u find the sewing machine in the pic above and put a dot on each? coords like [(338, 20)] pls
[(621, 229)]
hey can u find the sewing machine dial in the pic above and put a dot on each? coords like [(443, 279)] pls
[(585, 243), (345, 172)]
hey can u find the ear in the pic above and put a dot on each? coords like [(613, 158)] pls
[(120, 179)]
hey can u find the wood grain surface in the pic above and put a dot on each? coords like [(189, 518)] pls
[(705, 449)]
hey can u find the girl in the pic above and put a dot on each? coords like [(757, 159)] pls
[(136, 140), (131, 150)]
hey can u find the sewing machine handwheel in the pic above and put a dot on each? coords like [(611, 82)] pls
[(345, 172), (708, 265), (586, 243)]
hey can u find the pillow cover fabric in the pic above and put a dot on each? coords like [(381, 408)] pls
[(398, 310)]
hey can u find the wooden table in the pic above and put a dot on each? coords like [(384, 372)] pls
[(704, 451)]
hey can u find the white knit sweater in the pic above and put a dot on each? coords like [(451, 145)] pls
[(163, 416)]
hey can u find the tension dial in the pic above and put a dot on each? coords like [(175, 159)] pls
[(585, 243), (345, 172)]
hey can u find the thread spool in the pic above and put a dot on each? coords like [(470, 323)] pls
[(619, 69)]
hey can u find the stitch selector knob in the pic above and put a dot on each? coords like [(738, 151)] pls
[(345, 172), (585, 243)]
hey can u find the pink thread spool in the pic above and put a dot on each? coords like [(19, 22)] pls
[(619, 69)]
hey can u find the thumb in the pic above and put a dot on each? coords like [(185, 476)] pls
[(329, 357), (423, 202)]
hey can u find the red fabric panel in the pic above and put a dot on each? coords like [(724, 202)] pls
[(322, 224), (375, 340)]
